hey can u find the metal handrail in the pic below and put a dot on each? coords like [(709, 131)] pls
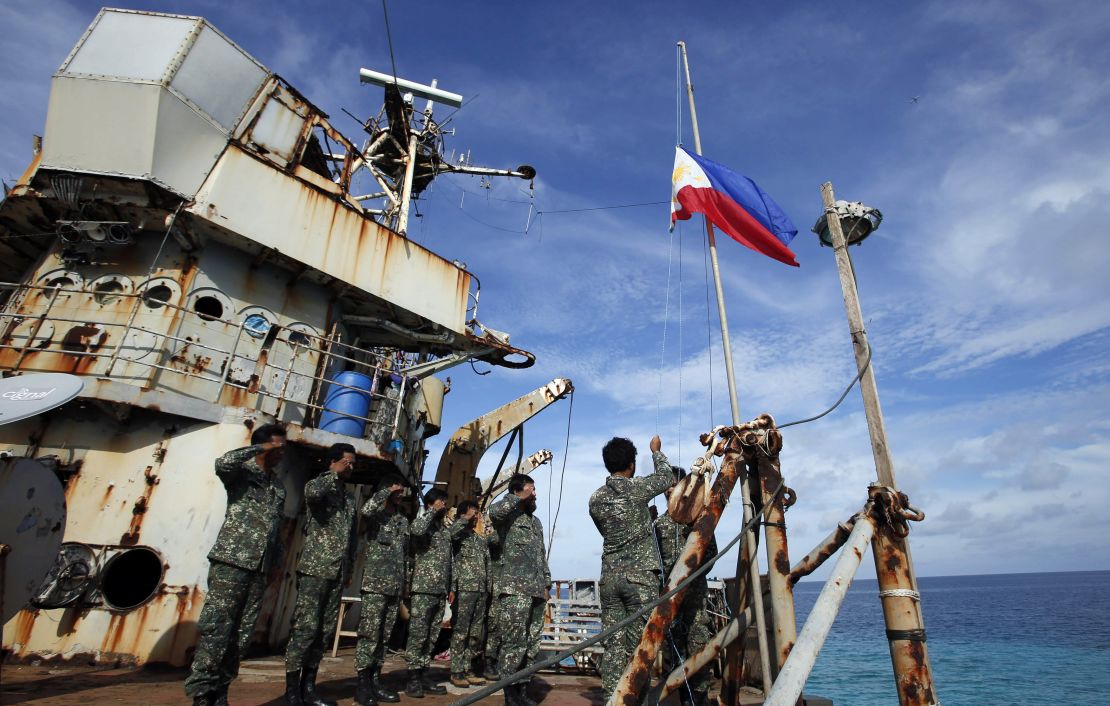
[(372, 360)]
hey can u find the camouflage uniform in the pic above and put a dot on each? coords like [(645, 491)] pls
[(493, 622), (472, 583), (630, 576), (244, 551), (325, 561), (383, 577), (525, 581), (691, 629), (431, 579)]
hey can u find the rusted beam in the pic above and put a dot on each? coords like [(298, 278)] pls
[(821, 553), (905, 626), (703, 657), (739, 443), (778, 554), (792, 678)]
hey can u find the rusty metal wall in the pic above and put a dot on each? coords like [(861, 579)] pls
[(147, 482)]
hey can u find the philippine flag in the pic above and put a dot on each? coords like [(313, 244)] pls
[(733, 203)]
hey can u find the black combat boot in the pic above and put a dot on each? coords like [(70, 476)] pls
[(204, 699), (431, 686), (381, 693), (364, 693), (701, 698), (292, 689), (221, 696), (525, 699), (413, 687), (308, 688), (491, 669), (513, 695)]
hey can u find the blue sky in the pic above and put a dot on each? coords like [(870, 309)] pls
[(985, 290)]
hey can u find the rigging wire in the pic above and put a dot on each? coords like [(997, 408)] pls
[(663, 345), (389, 38), (708, 321), (862, 370), (562, 477)]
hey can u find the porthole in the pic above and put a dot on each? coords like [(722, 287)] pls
[(155, 297), (110, 289), (131, 578), (156, 293), (208, 308), (65, 280)]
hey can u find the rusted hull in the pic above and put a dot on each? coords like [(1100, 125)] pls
[(146, 485)]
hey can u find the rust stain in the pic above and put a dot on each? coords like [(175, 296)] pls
[(24, 624)]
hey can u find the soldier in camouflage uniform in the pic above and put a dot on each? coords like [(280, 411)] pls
[(325, 561), (525, 582), (691, 629), (472, 583), (383, 579), (243, 554), (493, 623), (431, 579), (630, 575)]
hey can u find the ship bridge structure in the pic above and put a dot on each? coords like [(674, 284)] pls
[(186, 241)]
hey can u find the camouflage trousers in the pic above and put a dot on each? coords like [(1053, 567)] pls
[(377, 616), (621, 598), (314, 621), (520, 620), (493, 627), (690, 632), (470, 623), (425, 619), (226, 624)]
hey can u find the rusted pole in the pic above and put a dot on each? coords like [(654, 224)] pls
[(821, 553), (747, 559), (778, 554), (792, 678), (893, 562), (709, 652)]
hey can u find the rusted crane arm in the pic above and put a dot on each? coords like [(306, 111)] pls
[(464, 451)]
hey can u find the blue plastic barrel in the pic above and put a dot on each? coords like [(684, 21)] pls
[(344, 405)]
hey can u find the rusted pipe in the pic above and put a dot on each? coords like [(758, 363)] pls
[(821, 553), (905, 626), (778, 554), (793, 675), (703, 657)]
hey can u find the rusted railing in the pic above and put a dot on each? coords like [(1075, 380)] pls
[(302, 343)]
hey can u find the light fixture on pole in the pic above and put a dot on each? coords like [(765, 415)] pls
[(856, 219)]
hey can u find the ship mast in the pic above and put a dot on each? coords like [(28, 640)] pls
[(405, 153)]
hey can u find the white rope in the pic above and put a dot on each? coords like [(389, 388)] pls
[(900, 593)]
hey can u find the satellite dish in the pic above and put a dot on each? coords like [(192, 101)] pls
[(32, 522), (25, 396)]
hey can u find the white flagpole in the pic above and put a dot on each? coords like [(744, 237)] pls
[(748, 554)]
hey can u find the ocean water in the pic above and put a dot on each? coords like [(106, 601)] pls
[(1000, 639)]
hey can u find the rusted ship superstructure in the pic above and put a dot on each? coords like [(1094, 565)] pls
[(186, 240)]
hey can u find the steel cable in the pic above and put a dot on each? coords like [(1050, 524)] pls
[(862, 370)]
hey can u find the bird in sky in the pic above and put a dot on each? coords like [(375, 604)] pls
[(915, 99)]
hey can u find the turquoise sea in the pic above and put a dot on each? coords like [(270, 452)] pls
[(1002, 639)]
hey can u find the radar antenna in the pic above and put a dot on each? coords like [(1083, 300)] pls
[(405, 150)]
